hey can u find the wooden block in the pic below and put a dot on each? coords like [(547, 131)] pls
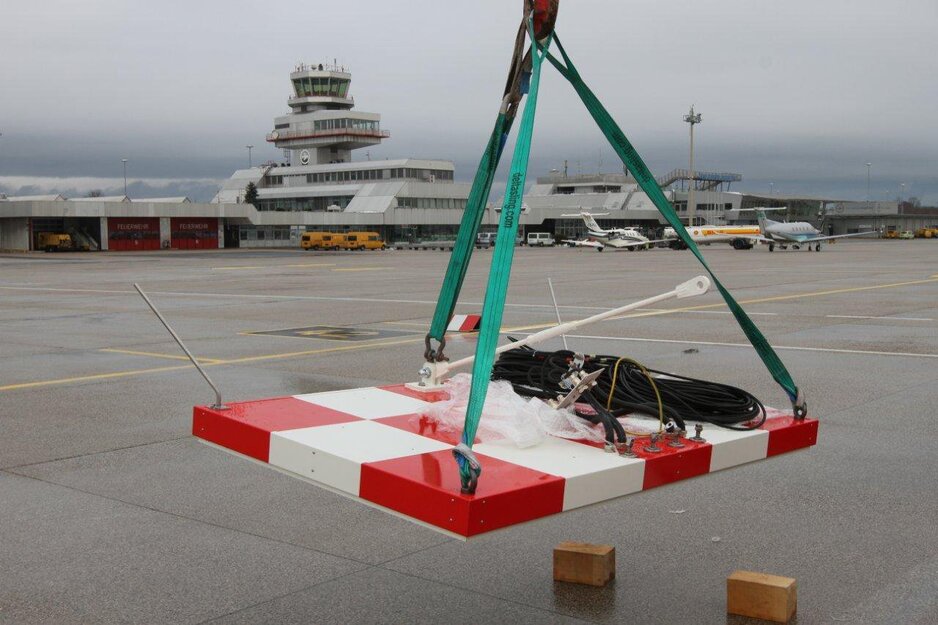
[(583, 563), (757, 595)]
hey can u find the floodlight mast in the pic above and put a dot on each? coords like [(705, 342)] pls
[(692, 119)]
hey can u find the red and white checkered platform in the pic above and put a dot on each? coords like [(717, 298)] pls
[(372, 444)]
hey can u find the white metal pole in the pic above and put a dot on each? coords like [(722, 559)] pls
[(868, 177), (692, 119), (691, 200), (218, 405), (553, 297), (691, 288)]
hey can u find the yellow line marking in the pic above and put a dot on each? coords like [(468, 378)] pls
[(539, 326), (215, 362), (780, 298), (156, 355), (324, 350), (360, 269), (88, 378), (350, 328), (359, 346), (233, 267)]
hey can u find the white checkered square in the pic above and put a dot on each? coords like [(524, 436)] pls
[(333, 454), (732, 448), (366, 403), (591, 474)]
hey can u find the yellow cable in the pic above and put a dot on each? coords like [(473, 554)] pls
[(612, 388)]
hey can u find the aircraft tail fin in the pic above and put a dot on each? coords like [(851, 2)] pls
[(763, 222), (590, 222)]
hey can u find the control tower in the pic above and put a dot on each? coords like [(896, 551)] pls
[(321, 127)]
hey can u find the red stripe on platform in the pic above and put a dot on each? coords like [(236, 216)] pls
[(429, 396), (788, 434), (673, 464), (426, 487), (470, 323), (245, 427)]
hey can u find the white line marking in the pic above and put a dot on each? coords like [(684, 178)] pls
[(703, 312), (884, 318), (326, 298), (747, 345), (285, 297)]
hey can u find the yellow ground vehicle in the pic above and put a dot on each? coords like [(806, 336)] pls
[(55, 242), (891, 234), (364, 241), (926, 233), (322, 241)]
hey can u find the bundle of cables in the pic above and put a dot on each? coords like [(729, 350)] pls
[(627, 387)]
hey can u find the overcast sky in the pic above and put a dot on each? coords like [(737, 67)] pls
[(800, 93)]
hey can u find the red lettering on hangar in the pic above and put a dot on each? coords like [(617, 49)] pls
[(133, 233), (194, 233)]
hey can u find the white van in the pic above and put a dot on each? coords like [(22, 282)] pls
[(486, 239), (540, 239)]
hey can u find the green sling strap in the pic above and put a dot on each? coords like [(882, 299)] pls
[(468, 230), (478, 196), (649, 185), (494, 305)]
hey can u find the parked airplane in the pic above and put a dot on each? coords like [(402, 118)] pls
[(740, 237), (616, 238), (794, 233)]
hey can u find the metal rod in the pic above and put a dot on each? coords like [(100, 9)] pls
[(691, 288), (550, 285), (218, 405)]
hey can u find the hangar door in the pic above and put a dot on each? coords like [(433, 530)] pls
[(133, 233), (193, 233)]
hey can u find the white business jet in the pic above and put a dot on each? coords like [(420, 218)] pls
[(794, 233), (615, 238)]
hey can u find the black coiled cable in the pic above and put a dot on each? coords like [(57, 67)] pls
[(624, 387)]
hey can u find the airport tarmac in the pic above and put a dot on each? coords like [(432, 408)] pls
[(111, 512)]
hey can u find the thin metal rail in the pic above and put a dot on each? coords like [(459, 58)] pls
[(550, 285), (218, 405)]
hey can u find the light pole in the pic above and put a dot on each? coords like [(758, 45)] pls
[(692, 119), (901, 189), (250, 162), (124, 161), (869, 167), (771, 189)]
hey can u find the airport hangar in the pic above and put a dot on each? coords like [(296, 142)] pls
[(121, 224)]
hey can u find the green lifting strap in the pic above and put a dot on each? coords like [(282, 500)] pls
[(649, 185), (478, 195), (468, 229), (494, 305)]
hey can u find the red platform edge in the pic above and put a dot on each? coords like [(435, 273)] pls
[(424, 485)]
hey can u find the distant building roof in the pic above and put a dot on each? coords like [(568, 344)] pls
[(163, 200), (33, 198), (102, 198)]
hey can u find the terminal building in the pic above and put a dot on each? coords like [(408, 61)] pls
[(320, 186)]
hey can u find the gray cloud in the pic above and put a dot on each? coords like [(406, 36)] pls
[(197, 190), (801, 93)]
